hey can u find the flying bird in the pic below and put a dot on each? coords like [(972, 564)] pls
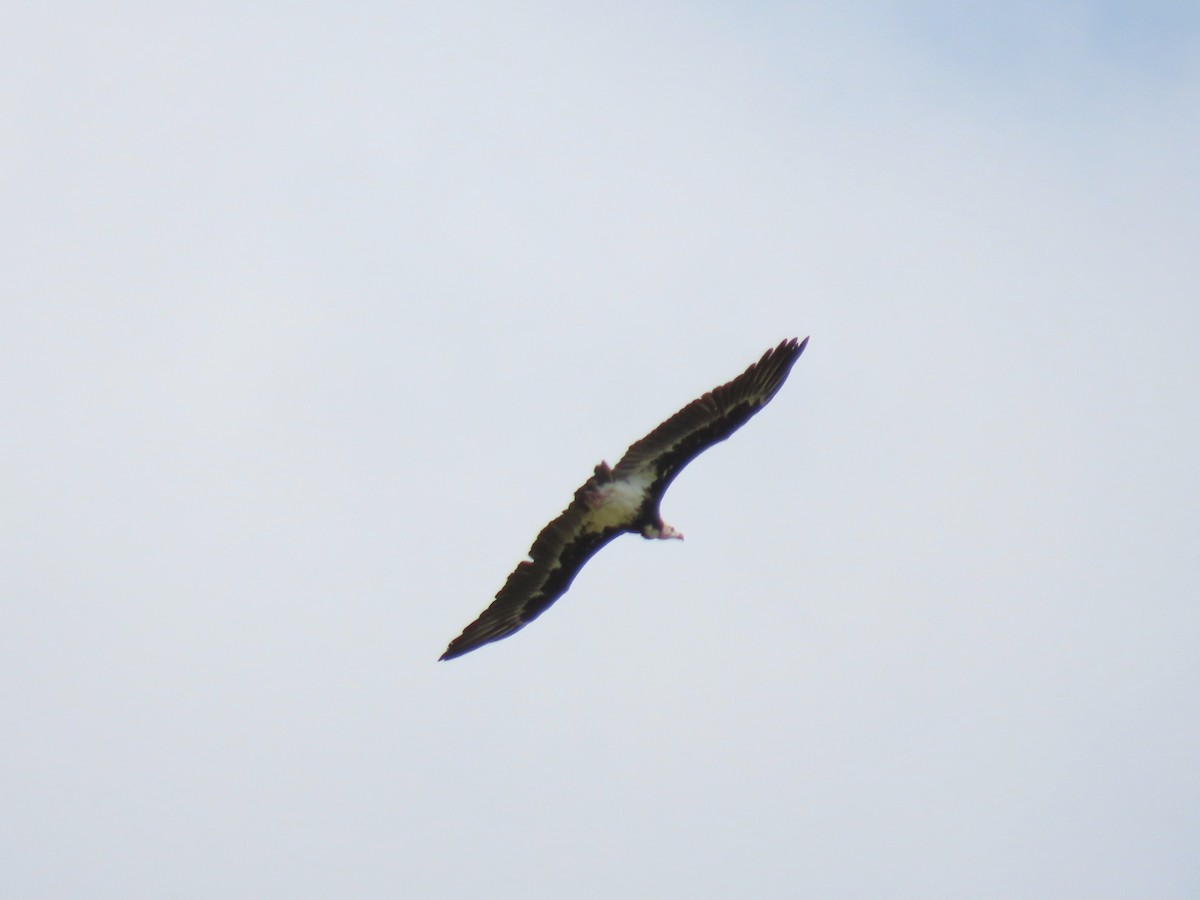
[(625, 498)]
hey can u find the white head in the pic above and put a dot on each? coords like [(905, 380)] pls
[(662, 531)]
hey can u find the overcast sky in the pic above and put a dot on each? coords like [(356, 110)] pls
[(311, 315)]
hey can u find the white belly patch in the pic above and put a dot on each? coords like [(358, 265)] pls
[(617, 505)]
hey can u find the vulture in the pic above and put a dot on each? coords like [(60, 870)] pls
[(625, 498)]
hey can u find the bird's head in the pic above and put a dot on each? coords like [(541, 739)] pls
[(661, 531)]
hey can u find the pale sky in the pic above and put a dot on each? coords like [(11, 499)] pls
[(311, 316)]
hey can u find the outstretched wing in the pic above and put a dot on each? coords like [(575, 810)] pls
[(660, 455), (555, 558)]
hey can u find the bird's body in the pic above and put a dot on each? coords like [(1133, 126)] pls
[(625, 498)]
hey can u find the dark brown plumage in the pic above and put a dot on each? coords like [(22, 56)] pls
[(625, 498)]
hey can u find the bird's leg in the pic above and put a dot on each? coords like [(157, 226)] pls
[(598, 487)]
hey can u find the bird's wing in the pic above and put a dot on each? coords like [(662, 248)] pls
[(659, 456), (560, 551)]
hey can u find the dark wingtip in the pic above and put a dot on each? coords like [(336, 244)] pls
[(792, 347), (787, 352)]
